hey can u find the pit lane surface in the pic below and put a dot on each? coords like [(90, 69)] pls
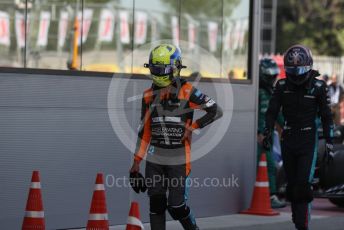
[(325, 216)]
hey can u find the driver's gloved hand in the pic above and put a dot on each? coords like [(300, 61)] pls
[(137, 182), (267, 141)]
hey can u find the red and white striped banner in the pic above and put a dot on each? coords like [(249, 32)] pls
[(236, 34), (63, 27), (213, 29), (84, 27), (20, 29), (154, 29), (192, 35), (124, 27), (243, 31), (4, 28), (106, 25), (140, 27), (43, 31), (228, 39), (175, 30)]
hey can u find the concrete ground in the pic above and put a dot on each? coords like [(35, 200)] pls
[(248, 222), (328, 223), (325, 216)]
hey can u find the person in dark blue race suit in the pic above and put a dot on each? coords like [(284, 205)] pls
[(302, 98)]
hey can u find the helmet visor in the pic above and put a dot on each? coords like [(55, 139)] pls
[(161, 70), (297, 70)]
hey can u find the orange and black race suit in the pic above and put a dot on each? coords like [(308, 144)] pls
[(166, 114), (166, 117)]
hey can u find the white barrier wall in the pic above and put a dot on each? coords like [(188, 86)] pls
[(59, 124)]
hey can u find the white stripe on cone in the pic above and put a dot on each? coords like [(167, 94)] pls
[(98, 216), (262, 163), (261, 184), (34, 214), (135, 221), (35, 185), (99, 187)]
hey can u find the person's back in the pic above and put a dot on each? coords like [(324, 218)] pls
[(336, 96)]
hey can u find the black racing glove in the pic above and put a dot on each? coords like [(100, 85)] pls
[(137, 182), (267, 141), (329, 154)]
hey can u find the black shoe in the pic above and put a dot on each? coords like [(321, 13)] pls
[(189, 223), (276, 203)]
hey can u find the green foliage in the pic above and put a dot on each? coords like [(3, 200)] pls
[(202, 11), (206, 8), (317, 24)]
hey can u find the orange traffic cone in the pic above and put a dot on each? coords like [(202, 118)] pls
[(134, 222), (98, 218), (261, 204), (34, 214)]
